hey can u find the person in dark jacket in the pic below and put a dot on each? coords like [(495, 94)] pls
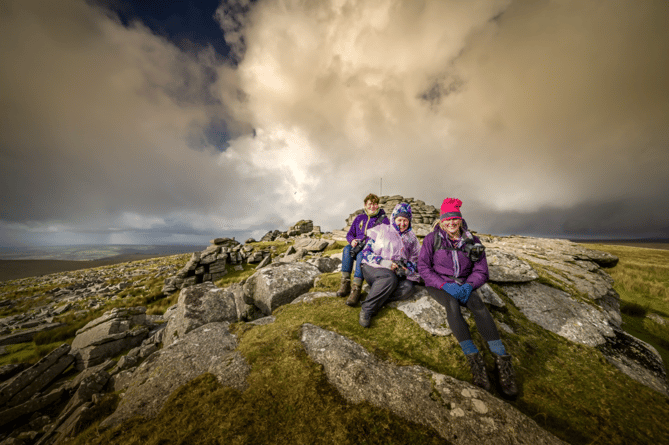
[(453, 264), (356, 237)]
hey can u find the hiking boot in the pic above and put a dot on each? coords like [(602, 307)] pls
[(345, 287), (354, 297), (507, 376), (364, 319), (479, 374)]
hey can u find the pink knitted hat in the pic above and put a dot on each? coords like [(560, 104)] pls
[(450, 209)]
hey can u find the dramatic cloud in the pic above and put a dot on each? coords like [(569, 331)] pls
[(546, 118)]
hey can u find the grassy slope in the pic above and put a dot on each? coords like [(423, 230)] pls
[(568, 389), (641, 278)]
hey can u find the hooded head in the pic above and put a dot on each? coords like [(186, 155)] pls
[(401, 209)]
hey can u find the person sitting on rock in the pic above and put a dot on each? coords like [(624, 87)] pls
[(356, 237), (453, 263), (389, 263)]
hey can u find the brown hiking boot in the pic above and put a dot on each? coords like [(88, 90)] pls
[(345, 287), (479, 374), (507, 376), (354, 297)]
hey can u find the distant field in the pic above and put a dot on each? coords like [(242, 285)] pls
[(647, 245), (15, 269)]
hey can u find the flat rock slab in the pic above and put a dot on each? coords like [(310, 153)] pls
[(505, 267), (279, 284), (556, 311), (209, 348), (456, 410)]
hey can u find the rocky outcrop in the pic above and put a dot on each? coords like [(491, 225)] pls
[(209, 348), (27, 383), (199, 305), (424, 215), (212, 263), (579, 304), (279, 284), (459, 412), (104, 337)]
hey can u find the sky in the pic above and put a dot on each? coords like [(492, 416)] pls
[(152, 122)]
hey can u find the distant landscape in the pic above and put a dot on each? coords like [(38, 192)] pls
[(33, 261), (25, 262)]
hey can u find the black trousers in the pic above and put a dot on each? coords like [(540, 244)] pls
[(484, 321), (386, 286)]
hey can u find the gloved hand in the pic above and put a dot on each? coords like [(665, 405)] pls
[(452, 288), (464, 293)]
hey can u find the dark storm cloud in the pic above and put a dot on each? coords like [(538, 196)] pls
[(546, 118)]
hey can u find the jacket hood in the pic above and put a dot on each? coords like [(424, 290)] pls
[(402, 207)]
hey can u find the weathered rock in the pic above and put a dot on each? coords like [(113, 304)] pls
[(173, 366), (311, 296), (198, 305), (557, 312), (311, 244), (326, 264), (91, 384), (458, 411), (27, 335), (637, 359), (569, 265), (279, 284), (507, 268), (424, 310), (106, 336), (24, 385), (10, 370), (245, 312), (35, 404)]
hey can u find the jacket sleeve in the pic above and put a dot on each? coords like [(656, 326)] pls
[(412, 260), (479, 274), (353, 231), (425, 265)]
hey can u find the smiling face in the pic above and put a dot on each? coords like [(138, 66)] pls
[(451, 227), (402, 223), (371, 206)]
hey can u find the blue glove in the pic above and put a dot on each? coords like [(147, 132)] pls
[(452, 288), (464, 293)]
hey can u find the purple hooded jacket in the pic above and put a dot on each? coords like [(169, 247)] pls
[(359, 226), (436, 268)]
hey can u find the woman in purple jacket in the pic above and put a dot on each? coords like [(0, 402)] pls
[(357, 237), (452, 263)]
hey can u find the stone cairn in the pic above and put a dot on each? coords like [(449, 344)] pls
[(424, 215), (212, 263)]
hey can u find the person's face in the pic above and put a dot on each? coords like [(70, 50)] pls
[(402, 223), (451, 226), (371, 206)]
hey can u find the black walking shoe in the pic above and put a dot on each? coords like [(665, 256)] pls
[(479, 374), (364, 320), (507, 376)]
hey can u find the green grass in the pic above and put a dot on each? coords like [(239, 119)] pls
[(569, 389), (29, 352)]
